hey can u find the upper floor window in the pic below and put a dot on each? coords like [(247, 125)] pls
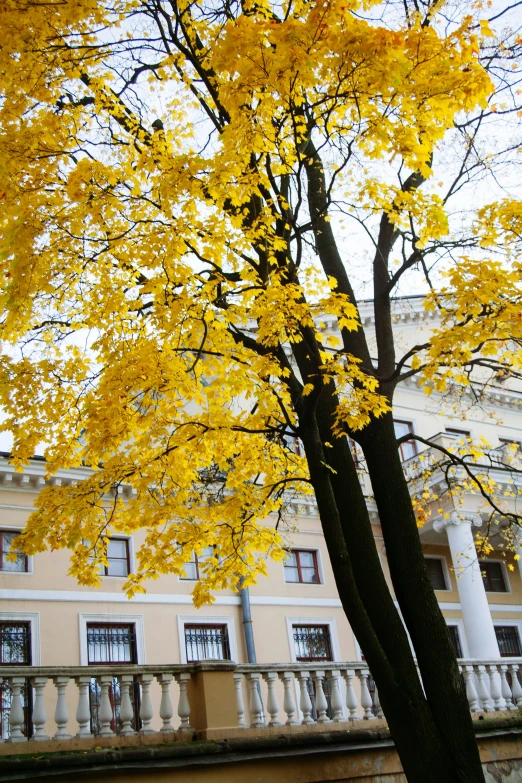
[(301, 566), (408, 448), (19, 565), (203, 642), (193, 567), (312, 643), (508, 641), (459, 432), (455, 640), (493, 576), (118, 560), (435, 569)]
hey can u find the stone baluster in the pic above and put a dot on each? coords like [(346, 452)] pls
[(506, 690), (482, 689), (321, 705), (351, 698), (471, 691), (39, 711), (61, 714), (166, 710), (83, 713), (515, 685), (495, 688), (126, 706), (146, 712), (377, 704), (366, 697), (240, 704), (272, 704), (256, 705), (289, 704), (305, 701), (16, 713), (183, 704), (336, 700), (105, 709)]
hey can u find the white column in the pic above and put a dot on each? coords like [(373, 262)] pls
[(480, 632)]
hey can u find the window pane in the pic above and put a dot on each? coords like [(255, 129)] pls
[(291, 574), (291, 559), (307, 559), (493, 577), (455, 640), (401, 428), (190, 570), (436, 574), (309, 575), (118, 568), (408, 450), (20, 564), (117, 549), (207, 551)]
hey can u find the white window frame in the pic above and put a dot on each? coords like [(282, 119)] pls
[(462, 633), (127, 619), (33, 618), (332, 630), (445, 571), (30, 559), (320, 570), (515, 623), (504, 572), (185, 619)]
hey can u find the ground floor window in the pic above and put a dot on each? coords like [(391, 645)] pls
[(508, 640), (312, 643), (455, 640), (15, 650), (109, 643), (204, 642)]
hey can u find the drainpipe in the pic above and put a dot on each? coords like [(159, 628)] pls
[(247, 623)]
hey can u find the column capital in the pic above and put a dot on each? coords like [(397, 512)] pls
[(458, 518)]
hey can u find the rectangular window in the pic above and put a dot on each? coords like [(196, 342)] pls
[(493, 576), (460, 433), (409, 447), (110, 643), (455, 640), (508, 641), (436, 573), (204, 642), (118, 560), (15, 650), (312, 643), (193, 567), (20, 565), (301, 566)]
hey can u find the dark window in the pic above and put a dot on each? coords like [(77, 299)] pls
[(301, 566), (15, 650), (312, 643), (193, 567), (409, 447), (107, 644), (203, 642), (118, 561), (508, 641), (436, 573), (21, 563), (493, 576), (356, 453), (455, 640), (460, 433)]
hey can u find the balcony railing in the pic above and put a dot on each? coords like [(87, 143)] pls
[(135, 700)]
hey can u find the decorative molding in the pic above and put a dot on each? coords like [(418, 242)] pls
[(136, 619), (457, 518), (196, 619), (332, 630)]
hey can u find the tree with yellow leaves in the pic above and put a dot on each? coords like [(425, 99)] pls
[(173, 178)]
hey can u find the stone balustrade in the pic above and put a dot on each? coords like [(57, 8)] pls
[(214, 696)]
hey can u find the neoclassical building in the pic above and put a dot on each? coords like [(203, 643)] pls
[(295, 615)]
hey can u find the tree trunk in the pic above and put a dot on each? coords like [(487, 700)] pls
[(423, 748), (445, 692)]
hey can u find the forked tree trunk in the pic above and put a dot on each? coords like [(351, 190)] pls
[(433, 733)]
